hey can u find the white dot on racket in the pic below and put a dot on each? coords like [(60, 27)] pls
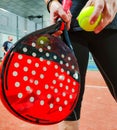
[(34, 54), (75, 75), (68, 72), (56, 66), (56, 90), (55, 57), (40, 50), (63, 94), (44, 68), (56, 74), (46, 86), (68, 80), (41, 76), (41, 42), (74, 83), (37, 65), (17, 84), (16, 64), (48, 62), (61, 62), (29, 61), (33, 44), (25, 49), (49, 47), (20, 57), (28, 88), (67, 64), (25, 78), (70, 96), (49, 96), (36, 82), (47, 54), (60, 108), (15, 73), (65, 102), (31, 99), (33, 72), (42, 102), (54, 81), (51, 105), (61, 85), (66, 87), (41, 59), (69, 58), (20, 95), (62, 70), (57, 99), (73, 67), (73, 90), (62, 55), (38, 92), (25, 69), (61, 77)]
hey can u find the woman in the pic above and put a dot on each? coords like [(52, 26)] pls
[(102, 43)]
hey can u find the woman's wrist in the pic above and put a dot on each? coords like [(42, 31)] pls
[(49, 2)]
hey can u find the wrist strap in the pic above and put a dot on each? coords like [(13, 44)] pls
[(48, 4)]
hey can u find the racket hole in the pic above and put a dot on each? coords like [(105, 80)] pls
[(73, 67), (47, 54), (61, 85)]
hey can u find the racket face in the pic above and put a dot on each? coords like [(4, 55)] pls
[(40, 80)]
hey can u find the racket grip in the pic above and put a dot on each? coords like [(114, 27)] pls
[(66, 4)]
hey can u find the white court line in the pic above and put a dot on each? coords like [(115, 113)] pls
[(94, 86)]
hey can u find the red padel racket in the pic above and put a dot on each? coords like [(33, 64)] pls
[(40, 78)]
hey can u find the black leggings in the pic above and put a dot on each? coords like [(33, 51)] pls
[(103, 47)]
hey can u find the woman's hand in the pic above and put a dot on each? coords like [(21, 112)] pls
[(108, 9), (57, 11)]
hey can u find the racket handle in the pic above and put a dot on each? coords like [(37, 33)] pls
[(66, 4)]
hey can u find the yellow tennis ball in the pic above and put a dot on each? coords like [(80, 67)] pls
[(84, 19)]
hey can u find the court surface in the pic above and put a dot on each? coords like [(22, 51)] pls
[(99, 109)]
